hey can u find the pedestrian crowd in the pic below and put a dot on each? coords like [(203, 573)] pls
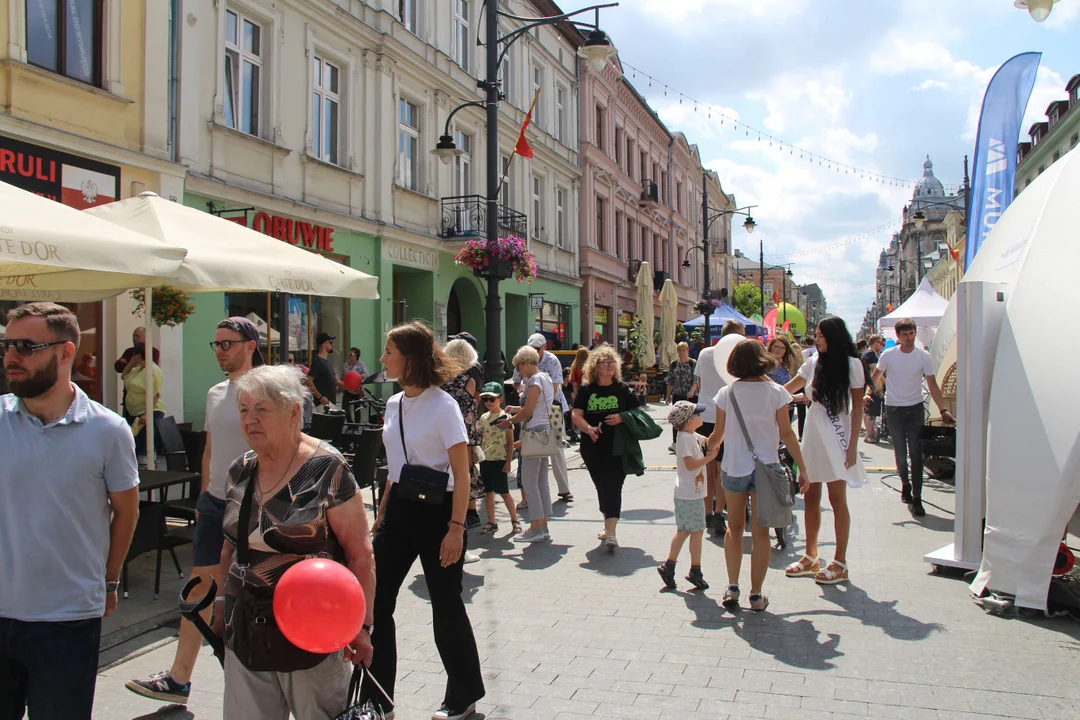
[(273, 495)]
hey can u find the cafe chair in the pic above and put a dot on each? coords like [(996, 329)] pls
[(150, 536), (368, 448), (172, 444), (183, 508), (327, 427)]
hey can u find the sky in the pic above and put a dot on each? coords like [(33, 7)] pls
[(875, 84)]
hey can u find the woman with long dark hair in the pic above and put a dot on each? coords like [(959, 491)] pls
[(834, 379)]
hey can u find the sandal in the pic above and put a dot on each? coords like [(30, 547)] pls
[(828, 576), (515, 529), (566, 497), (489, 528), (804, 567), (523, 505)]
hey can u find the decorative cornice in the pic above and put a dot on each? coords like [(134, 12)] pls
[(442, 99)]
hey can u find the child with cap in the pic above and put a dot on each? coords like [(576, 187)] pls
[(498, 447), (689, 492)]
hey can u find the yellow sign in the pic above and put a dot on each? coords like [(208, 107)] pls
[(600, 315), (626, 320)]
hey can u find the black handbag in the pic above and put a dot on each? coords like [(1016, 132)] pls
[(366, 710), (258, 643), (419, 482)]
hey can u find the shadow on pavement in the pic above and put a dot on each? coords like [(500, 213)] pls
[(622, 562), (797, 643), (471, 584), (708, 614), (647, 514), (878, 613), (170, 712), (928, 521)]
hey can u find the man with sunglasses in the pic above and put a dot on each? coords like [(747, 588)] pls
[(69, 501), (236, 345)]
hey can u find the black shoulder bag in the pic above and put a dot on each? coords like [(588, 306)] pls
[(257, 642), (419, 483)]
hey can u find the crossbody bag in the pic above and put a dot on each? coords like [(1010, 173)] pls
[(419, 482), (540, 443), (772, 480)]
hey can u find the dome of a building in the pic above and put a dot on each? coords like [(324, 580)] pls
[(929, 186)]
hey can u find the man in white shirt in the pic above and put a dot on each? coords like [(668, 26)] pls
[(550, 364), (905, 366)]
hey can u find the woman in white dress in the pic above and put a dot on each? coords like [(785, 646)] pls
[(833, 378)]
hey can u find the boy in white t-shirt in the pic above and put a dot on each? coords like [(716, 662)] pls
[(689, 492)]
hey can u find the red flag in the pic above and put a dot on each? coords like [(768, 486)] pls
[(776, 298), (521, 147), (953, 253)]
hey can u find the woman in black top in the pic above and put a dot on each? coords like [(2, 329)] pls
[(596, 413)]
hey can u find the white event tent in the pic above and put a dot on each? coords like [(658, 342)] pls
[(925, 307)]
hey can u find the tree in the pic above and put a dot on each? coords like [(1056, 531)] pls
[(747, 299)]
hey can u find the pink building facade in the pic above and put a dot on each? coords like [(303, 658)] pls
[(640, 202)]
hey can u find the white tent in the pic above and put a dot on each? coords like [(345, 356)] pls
[(275, 336), (924, 306), (1033, 440)]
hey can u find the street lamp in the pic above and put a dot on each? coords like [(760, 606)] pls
[(597, 50), (706, 222), (1038, 9)]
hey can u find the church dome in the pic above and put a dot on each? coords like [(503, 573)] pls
[(929, 186)]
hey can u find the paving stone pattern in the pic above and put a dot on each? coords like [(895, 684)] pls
[(569, 631)]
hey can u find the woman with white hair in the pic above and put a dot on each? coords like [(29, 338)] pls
[(289, 498), (465, 389)]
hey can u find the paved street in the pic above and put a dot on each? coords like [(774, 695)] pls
[(569, 631)]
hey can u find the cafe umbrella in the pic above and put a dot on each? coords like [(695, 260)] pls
[(647, 353)]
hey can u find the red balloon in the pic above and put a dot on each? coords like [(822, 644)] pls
[(352, 380), (319, 605)]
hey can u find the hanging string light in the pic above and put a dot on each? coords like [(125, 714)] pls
[(850, 240)]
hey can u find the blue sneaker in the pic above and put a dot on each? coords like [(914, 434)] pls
[(161, 686)]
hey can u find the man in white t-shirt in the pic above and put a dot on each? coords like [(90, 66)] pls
[(906, 366)]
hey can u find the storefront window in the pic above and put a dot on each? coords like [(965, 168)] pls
[(87, 370), (626, 322), (601, 324), (554, 321)]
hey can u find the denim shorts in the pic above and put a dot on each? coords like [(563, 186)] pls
[(209, 535), (738, 484)]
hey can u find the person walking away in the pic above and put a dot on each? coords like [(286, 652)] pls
[(905, 367), (681, 383), (69, 501), (596, 413), (465, 389), (138, 380), (498, 448), (236, 348), (874, 345), (685, 417), (709, 383), (550, 364), (539, 395), (834, 377), (424, 432), (322, 378), (763, 405)]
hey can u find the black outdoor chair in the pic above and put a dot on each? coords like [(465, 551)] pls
[(327, 427), (368, 448), (172, 444), (150, 536)]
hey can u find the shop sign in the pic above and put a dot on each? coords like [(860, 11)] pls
[(74, 181), (401, 253), (626, 319), (600, 315), (294, 232)]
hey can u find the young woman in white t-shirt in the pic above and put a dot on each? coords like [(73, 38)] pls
[(764, 407), (435, 437), (833, 378)]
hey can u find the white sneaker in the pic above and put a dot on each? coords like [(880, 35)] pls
[(671, 448), (531, 536), (445, 713), (471, 558)]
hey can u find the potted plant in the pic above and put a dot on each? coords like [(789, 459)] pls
[(706, 307), (170, 307), (502, 258)]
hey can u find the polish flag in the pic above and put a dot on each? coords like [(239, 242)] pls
[(82, 188)]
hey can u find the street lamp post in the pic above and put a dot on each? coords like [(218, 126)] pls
[(761, 279), (597, 50), (706, 221)]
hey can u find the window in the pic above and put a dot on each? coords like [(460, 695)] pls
[(663, 188), (537, 206), (679, 196), (325, 106), (64, 36), (618, 147), (537, 84), (554, 318), (630, 158), (619, 234), (407, 14), (408, 145), (644, 166), (600, 224), (463, 163), (561, 237), (560, 113), (505, 77), (243, 73), (461, 33), (507, 194), (599, 137)]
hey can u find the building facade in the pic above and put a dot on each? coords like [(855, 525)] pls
[(87, 116), (1051, 138)]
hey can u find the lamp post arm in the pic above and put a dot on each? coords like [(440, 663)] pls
[(471, 103), (530, 22)]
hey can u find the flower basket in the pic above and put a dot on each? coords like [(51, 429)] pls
[(502, 258), (171, 307), (707, 307)]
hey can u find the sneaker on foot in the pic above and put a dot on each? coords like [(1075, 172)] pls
[(720, 524), (471, 558), (472, 519), (731, 596), (667, 574), (161, 686), (759, 602), (671, 448), (447, 713), (531, 536), (696, 578), (610, 542), (917, 509)]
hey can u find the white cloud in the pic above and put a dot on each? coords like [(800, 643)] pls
[(931, 84)]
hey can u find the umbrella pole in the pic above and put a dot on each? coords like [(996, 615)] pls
[(148, 293)]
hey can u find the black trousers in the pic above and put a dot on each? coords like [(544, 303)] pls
[(904, 426), (800, 408), (412, 530), (674, 430), (48, 669), (608, 477)]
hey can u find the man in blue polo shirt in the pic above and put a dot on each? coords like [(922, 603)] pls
[(69, 499)]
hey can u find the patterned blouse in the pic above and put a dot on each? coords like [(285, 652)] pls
[(680, 377), (780, 375), (292, 524), (457, 389)]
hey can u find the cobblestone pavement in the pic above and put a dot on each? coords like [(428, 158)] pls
[(567, 630)]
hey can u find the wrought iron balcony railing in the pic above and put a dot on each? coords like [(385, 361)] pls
[(465, 216)]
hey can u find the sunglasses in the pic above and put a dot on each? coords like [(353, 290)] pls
[(225, 345), (25, 348)]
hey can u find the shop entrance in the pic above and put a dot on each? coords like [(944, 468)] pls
[(413, 295), (464, 309)]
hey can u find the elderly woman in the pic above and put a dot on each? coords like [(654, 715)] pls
[(465, 389), (298, 499), (424, 437), (539, 393), (681, 382), (137, 380), (596, 413)]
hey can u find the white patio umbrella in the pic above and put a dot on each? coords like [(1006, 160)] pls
[(49, 251), (669, 307), (225, 256), (647, 355)]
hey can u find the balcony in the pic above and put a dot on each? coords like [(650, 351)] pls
[(465, 216), (650, 192)]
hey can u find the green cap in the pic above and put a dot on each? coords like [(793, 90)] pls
[(492, 388)]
